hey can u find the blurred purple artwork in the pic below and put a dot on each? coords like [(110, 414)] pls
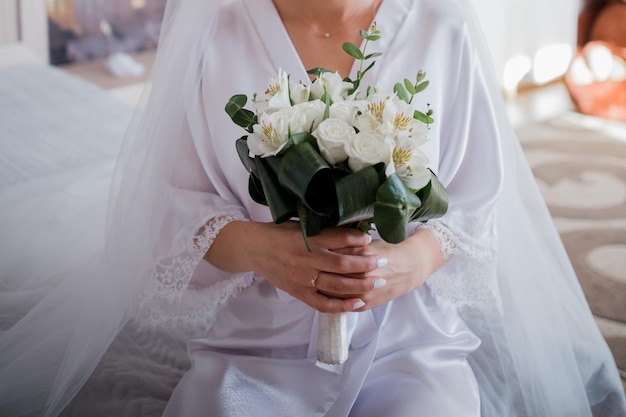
[(82, 30)]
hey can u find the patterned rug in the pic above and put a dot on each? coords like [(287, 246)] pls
[(580, 165)]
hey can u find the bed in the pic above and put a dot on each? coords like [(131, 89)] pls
[(56, 128)]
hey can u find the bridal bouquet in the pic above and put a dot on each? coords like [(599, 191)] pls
[(331, 153)]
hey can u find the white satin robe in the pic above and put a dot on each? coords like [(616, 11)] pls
[(408, 357)]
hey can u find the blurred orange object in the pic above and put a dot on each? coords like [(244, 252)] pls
[(596, 79)]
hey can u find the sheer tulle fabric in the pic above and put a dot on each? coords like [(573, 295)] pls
[(541, 352)]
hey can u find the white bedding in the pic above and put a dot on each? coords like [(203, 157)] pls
[(59, 136)]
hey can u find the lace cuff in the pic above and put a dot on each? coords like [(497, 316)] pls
[(168, 299), (469, 277)]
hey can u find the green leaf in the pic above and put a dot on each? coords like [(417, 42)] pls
[(239, 115), (308, 177), (373, 55), (421, 86), (395, 204), (401, 92), (244, 153), (420, 76), (298, 138), (256, 190), (356, 194), (372, 38), (282, 204), (434, 200), (418, 115), (317, 71), (409, 86), (311, 224), (327, 104), (369, 67), (353, 50)]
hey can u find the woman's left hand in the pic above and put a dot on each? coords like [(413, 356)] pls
[(408, 265)]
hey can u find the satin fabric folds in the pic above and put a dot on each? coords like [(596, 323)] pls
[(501, 330)]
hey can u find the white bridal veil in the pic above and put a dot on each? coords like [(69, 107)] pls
[(541, 354)]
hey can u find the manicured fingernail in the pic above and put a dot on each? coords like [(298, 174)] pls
[(380, 262), (380, 282), (358, 305)]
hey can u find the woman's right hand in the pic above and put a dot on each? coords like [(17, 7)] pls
[(279, 254)]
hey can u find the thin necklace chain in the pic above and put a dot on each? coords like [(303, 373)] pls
[(329, 34)]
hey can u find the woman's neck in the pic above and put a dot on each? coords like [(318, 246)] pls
[(324, 17), (318, 29)]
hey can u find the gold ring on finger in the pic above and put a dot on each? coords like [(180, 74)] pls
[(314, 279)]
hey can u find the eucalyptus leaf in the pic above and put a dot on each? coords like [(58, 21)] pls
[(317, 71), (353, 50), (239, 115), (421, 86), (409, 86), (373, 55), (369, 67), (418, 115), (401, 92)]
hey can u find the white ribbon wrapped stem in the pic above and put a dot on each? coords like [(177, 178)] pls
[(332, 338)]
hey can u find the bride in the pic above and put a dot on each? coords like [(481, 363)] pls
[(476, 313)]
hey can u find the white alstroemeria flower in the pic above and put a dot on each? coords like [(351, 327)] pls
[(332, 84), (272, 132), (300, 93), (275, 96), (314, 114), (332, 136), (370, 119), (398, 121), (411, 165), (367, 149)]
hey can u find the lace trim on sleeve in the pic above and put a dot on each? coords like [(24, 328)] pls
[(168, 301), (469, 277)]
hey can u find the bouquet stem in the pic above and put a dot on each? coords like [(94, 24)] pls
[(332, 338)]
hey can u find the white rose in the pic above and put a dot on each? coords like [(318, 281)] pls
[(313, 112), (332, 84), (272, 132), (347, 110), (332, 136), (367, 149), (275, 96), (413, 172)]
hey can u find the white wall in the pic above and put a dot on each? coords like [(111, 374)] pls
[(24, 22), (521, 28)]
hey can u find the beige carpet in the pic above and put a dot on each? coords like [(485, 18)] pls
[(580, 165)]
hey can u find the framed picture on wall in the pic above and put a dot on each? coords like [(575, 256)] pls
[(84, 30)]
